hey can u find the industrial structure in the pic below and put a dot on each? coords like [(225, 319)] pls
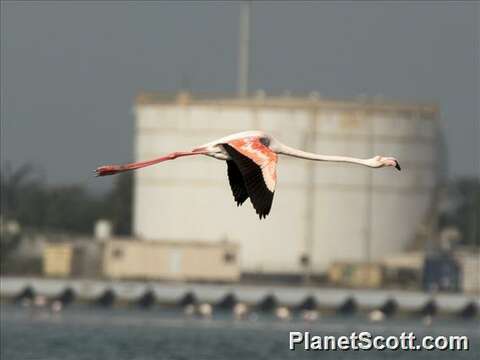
[(322, 212)]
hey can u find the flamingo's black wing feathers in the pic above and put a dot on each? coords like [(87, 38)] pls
[(237, 185), (260, 196)]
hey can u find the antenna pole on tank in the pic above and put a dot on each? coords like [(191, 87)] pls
[(243, 49), (307, 259), (369, 205)]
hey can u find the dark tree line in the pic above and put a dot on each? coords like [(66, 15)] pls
[(464, 212), (26, 198)]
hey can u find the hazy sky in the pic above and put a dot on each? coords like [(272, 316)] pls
[(70, 71)]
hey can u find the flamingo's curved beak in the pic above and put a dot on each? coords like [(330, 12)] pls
[(397, 166)]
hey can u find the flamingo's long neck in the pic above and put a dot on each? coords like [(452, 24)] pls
[(287, 150)]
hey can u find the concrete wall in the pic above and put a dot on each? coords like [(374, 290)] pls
[(171, 293), (319, 209)]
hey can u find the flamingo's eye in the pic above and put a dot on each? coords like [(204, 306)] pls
[(265, 141)]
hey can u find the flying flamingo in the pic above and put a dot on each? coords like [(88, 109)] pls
[(251, 158)]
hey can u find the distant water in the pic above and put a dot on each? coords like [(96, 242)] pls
[(84, 333)]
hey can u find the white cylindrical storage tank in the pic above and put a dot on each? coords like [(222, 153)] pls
[(325, 211)]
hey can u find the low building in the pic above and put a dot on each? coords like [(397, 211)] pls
[(124, 258), (169, 260), (57, 260), (356, 275), (469, 260), (72, 259), (460, 271), (404, 269)]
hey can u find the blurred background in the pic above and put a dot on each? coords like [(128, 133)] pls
[(91, 83)]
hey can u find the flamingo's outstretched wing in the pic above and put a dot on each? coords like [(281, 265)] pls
[(257, 165), (237, 184)]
